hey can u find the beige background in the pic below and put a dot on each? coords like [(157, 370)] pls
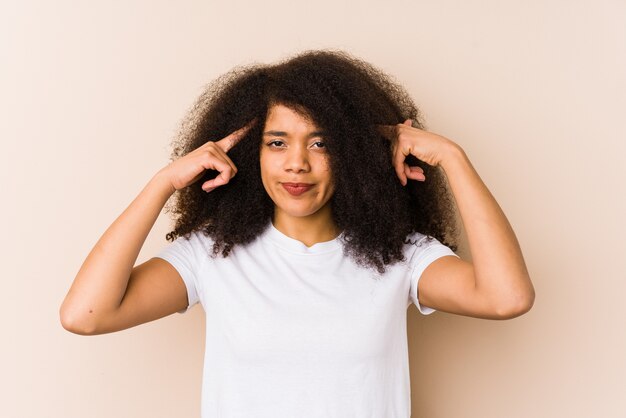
[(91, 93)]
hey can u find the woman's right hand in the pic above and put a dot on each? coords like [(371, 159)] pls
[(210, 156)]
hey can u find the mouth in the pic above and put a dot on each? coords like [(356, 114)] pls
[(296, 189)]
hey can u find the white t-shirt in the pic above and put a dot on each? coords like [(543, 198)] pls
[(297, 331)]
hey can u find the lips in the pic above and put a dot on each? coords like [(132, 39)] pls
[(296, 189)]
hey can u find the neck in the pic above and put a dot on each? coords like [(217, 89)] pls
[(318, 227)]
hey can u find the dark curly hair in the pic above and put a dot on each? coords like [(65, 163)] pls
[(344, 96)]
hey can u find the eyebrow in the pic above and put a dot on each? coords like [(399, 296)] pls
[(284, 134)]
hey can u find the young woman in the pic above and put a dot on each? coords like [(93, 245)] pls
[(309, 205)]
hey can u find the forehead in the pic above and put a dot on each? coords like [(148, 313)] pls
[(286, 116)]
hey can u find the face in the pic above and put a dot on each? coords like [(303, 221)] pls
[(294, 165)]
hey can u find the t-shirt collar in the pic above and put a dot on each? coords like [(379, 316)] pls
[(295, 246)]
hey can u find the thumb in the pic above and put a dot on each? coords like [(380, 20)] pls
[(408, 122)]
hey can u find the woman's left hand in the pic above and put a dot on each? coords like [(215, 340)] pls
[(496, 283), (425, 146)]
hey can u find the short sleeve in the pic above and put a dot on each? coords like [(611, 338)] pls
[(183, 255), (425, 251)]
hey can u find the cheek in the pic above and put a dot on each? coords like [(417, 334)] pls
[(265, 163), (268, 169), (269, 173), (328, 174), (264, 172)]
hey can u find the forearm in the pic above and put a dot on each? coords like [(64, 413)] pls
[(101, 282), (499, 267)]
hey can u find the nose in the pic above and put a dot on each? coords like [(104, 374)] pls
[(297, 160)]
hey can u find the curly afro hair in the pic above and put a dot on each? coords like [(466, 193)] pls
[(346, 97)]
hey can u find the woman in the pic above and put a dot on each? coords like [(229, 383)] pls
[(310, 204)]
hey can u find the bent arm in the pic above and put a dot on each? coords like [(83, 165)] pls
[(102, 281), (496, 284)]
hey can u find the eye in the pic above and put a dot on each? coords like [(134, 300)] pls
[(275, 143), (320, 144)]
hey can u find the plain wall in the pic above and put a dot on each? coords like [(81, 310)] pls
[(91, 93)]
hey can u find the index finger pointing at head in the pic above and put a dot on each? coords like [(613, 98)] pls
[(231, 140), (388, 131)]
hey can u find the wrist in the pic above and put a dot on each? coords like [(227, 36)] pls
[(162, 181), (453, 154)]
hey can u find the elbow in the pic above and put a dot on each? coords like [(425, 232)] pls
[(518, 306), (70, 323)]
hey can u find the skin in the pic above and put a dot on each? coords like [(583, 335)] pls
[(496, 284), (110, 293), (293, 151)]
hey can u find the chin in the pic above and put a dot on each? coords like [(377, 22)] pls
[(296, 211)]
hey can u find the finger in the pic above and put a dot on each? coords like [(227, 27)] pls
[(223, 156), (228, 142), (414, 173), (231, 140), (399, 165), (220, 180), (225, 173), (391, 131), (388, 131)]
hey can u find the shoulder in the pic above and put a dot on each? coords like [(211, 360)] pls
[(193, 243), (420, 246), (416, 240)]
